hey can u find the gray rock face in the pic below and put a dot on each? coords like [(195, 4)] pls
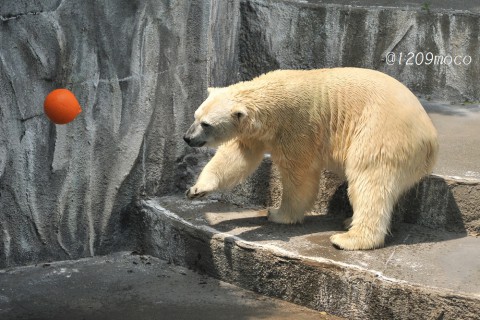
[(423, 43), (139, 69)]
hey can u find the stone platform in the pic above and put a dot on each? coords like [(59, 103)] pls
[(422, 273)]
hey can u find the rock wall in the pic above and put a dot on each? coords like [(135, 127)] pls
[(306, 34), (139, 69)]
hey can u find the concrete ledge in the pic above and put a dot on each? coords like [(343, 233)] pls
[(420, 274)]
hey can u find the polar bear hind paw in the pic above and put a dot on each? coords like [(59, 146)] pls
[(354, 241)]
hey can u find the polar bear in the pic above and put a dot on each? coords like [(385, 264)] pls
[(360, 123)]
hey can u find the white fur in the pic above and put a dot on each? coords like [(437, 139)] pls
[(360, 123)]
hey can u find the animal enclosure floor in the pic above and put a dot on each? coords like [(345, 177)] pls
[(458, 129), (130, 286)]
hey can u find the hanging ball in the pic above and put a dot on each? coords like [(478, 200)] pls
[(61, 106)]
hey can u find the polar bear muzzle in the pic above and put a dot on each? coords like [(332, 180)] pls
[(196, 135)]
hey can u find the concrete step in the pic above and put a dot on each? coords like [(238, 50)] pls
[(420, 274), (447, 6), (131, 286)]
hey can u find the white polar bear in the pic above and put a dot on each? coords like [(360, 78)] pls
[(361, 124)]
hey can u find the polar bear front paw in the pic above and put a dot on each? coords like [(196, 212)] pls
[(194, 193), (356, 241)]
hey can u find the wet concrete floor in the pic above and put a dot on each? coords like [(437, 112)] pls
[(131, 286)]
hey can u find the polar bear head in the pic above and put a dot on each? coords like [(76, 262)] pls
[(218, 119)]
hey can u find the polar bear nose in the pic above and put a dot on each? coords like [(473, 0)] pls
[(187, 139)]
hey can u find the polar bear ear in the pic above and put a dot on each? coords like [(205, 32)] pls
[(239, 114)]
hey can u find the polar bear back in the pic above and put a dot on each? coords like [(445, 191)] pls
[(358, 113)]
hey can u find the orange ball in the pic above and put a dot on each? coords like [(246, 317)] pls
[(61, 106)]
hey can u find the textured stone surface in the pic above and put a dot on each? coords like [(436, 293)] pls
[(299, 34), (140, 69), (131, 286), (15, 9), (432, 5)]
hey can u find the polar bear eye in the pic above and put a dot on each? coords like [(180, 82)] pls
[(205, 125)]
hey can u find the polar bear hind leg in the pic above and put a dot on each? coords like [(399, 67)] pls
[(373, 195)]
